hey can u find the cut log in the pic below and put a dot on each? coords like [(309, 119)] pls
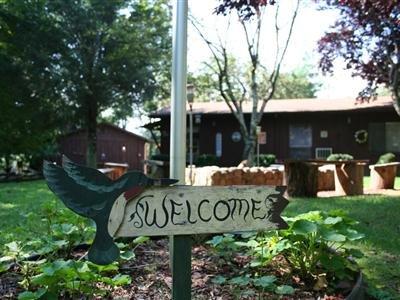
[(349, 178), (383, 175), (301, 178)]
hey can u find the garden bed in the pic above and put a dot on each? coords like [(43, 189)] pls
[(151, 278), (26, 208)]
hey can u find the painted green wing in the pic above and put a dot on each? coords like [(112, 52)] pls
[(91, 178), (75, 196)]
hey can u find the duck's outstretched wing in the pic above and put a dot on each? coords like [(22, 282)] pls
[(89, 177), (75, 196)]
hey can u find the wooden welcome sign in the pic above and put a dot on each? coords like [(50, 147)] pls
[(185, 210), (135, 205)]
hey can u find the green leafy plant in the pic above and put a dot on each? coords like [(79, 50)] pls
[(266, 159), (339, 157), (224, 245), (318, 243), (386, 158), (206, 160), (68, 278), (316, 247), (261, 283)]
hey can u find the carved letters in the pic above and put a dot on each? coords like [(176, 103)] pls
[(193, 210)]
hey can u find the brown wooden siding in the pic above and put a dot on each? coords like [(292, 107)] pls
[(340, 126), (110, 141)]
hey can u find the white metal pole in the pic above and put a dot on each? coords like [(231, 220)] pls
[(180, 245), (178, 92), (191, 144)]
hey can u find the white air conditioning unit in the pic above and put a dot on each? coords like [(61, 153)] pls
[(322, 153)]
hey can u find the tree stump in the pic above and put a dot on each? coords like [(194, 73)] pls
[(349, 178), (383, 175), (301, 178)]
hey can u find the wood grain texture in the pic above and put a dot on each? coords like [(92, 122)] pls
[(117, 214), (185, 210)]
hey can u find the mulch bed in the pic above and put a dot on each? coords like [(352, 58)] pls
[(151, 277)]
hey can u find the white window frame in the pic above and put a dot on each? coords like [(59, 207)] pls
[(318, 150)]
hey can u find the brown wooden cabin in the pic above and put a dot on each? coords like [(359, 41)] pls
[(295, 129), (114, 144)]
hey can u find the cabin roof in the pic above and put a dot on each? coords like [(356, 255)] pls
[(112, 126), (288, 106)]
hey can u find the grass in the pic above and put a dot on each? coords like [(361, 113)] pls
[(23, 216), (25, 209), (367, 180)]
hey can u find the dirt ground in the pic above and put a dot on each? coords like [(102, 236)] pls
[(151, 278)]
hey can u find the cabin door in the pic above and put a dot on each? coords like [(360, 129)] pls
[(300, 141)]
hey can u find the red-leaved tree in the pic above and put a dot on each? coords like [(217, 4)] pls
[(245, 8), (367, 37)]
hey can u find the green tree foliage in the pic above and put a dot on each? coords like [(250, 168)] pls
[(28, 97), (295, 85), (291, 85), (80, 58)]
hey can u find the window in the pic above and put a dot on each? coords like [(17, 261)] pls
[(393, 137), (218, 144), (300, 136), (322, 153), (384, 137), (300, 141)]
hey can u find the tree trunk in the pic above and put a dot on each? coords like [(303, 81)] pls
[(301, 179), (396, 102), (249, 149), (91, 150)]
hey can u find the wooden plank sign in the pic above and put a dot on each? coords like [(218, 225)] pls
[(183, 210), (135, 204)]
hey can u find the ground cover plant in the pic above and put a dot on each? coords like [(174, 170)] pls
[(32, 220), (312, 256)]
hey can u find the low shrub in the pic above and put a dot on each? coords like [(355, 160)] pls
[(206, 160), (266, 160), (339, 157), (386, 158), (161, 157), (315, 247)]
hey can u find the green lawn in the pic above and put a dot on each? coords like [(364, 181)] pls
[(25, 210), (26, 207), (367, 181)]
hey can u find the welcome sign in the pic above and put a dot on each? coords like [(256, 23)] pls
[(185, 210), (135, 205)]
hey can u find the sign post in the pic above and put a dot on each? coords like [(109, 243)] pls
[(180, 245)]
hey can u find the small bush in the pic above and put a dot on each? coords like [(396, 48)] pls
[(386, 158), (339, 157), (206, 160), (161, 157), (266, 159)]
